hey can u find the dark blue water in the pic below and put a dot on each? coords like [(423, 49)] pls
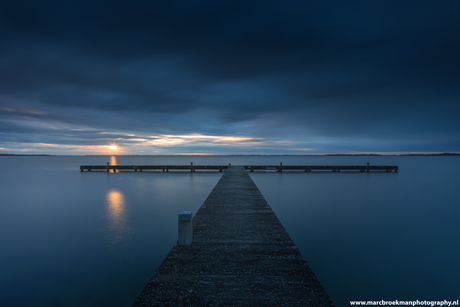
[(94, 239)]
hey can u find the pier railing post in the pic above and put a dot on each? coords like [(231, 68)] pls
[(367, 167), (281, 167), (185, 228), (108, 167)]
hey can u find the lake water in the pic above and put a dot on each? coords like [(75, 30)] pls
[(71, 238)]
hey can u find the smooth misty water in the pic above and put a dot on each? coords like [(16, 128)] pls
[(94, 239)]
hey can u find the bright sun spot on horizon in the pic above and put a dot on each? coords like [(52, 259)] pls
[(113, 147)]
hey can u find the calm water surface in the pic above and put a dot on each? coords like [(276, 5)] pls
[(94, 239)]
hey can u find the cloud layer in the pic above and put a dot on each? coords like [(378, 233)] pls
[(229, 77)]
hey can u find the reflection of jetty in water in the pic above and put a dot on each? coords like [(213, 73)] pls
[(116, 213)]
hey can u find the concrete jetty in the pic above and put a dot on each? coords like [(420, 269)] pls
[(279, 168), (241, 255)]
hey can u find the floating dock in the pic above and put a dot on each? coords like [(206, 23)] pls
[(252, 168), (240, 255)]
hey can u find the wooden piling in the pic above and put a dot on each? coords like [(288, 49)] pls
[(185, 228)]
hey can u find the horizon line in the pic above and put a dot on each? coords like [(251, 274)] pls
[(201, 154)]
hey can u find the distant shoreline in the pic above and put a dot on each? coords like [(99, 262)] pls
[(179, 155)]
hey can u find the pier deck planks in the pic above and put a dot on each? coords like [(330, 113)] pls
[(241, 255)]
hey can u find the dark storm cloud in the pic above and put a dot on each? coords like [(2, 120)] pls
[(361, 75)]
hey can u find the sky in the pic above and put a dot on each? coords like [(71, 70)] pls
[(229, 77)]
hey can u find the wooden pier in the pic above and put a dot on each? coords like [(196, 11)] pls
[(240, 255), (252, 168)]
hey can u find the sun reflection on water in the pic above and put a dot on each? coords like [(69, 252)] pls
[(113, 161), (116, 214)]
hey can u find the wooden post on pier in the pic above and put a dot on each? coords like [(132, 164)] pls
[(185, 228), (368, 167), (281, 167), (108, 167)]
